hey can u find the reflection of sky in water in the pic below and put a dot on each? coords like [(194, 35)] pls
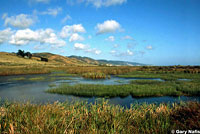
[(16, 90)]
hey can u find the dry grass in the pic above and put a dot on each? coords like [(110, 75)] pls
[(97, 118)]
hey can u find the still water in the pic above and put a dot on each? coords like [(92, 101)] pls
[(25, 90)]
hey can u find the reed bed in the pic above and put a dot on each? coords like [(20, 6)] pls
[(100, 117), (37, 78), (95, 76), (164, 76), (136, 88), (9, 70)]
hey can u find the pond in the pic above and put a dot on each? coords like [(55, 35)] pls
[(23, 88)]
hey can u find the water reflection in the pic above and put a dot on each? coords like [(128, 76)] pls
[(25, 90)]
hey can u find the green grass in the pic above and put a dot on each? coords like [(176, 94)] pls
[(52, 85), (164, 76), (64, 75), (136, 88), (189, 87), (18, 78), (95, 76), (37, 78), (98, 118)]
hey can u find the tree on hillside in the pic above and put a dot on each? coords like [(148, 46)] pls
[(23, 54), (28, 54), (20, 53)]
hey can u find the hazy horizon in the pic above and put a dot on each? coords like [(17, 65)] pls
[(156, 32)]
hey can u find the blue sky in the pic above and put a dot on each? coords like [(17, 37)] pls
[(158, 32)]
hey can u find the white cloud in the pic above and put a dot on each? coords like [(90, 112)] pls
[(115, 45), (66, 18), (75, 37), (39, 1), (110, 38), (97, 52), (19, 21), (80, 46), (122, 54), (105, 3), (127, 37), (98, 3), (4, 15), (112, 51), (86, 48), (108, 26), (22, 37), (5, 35), (69, 30), (129, 52), (52, 11), (149, 47), (26, 36), (94, 51)]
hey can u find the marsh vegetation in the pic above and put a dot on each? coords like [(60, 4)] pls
[(136, 88), (100, 117)]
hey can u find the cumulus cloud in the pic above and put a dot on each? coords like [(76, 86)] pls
[(5, 35), (149, 47), (110, 38), (113, 52), (98, 3), (19, 21), (129, 52), (80, 46), (75, 37), (26, 36), (69, 30), (66, 18), (94, 51), (122, 54), (108, 26), (105, 3), (39, 1), (52, 11), (86, 48), (127, 37)]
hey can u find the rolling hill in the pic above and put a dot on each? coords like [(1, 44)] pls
[(105, 62), (11, 59)]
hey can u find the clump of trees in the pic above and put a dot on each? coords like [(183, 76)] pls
[(24, 54)]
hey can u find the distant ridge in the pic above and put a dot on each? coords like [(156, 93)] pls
[(120, 63), (89, 60)]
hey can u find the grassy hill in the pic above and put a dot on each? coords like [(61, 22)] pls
[(54, 60), (84, 60), (11, 59)]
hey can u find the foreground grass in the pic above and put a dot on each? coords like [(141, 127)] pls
[(98, 118), (136, 88)]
